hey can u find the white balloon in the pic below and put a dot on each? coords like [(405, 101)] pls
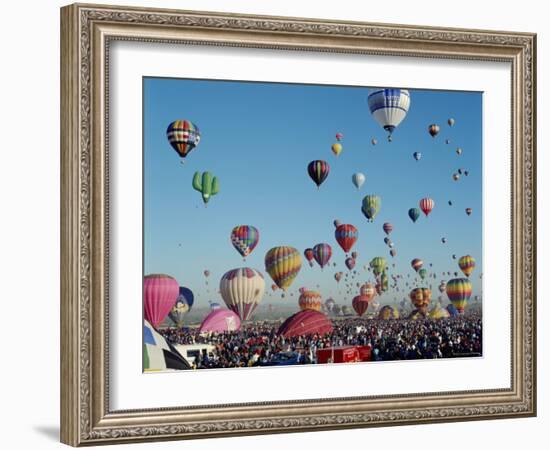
[(242, 290), (358, 179)]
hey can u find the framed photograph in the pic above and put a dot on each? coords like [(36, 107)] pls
[(278, 225)]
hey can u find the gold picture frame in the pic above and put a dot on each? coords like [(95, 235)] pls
[(86, 33)]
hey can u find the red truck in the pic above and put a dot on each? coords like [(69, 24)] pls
[(344, 354)]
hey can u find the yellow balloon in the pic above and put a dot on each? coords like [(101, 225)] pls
[(336, 148), (283, 264)]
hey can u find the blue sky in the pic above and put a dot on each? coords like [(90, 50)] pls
[(258, 139)]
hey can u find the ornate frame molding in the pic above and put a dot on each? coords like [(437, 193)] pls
[(86, 31)]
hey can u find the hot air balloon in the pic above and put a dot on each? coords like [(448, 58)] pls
[(338, 276), (469, 211), (451, 121), (220, 321), (274, 287), (444, 240), (346, 235), (426, 205), (371, 206), (160, 293), (433, 129), (308, 253), (183, 136), (283, 265), (350, 263), (452, 310), (336, 148), (466, 173), (358, 179), (322, 254), (360, 304), (378, 265), (384, 281), (242, 290), (339, 136), (417, 264), (388, 313), (183, 305), (456, 176), (393, 253), (318, 171), (420, 298), (447, 141), (417, 155), (459, 291), (337, 223), (387, 227), (442, 286), (373, 141), (467, 264), (206, 184), (245, 238), (389, 107), (206, 273), (306, 323), (458, 151), (158, 353), (215, 305), (414, 214), (450, 203), (310, 300), (329, 303), (438, 313), (354, 255), (459, 171), (423, 272)]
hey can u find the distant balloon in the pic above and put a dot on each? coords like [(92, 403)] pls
[(378, 265), (444, 240), (456, 176), (336, 148), (318, 171), (358, 179), (433, 129), (393, 253), (451, 121), (426, 205), (389, 107), (339, 136), (469, 211), (447, 141), (423, 272), (350, 263), (459, 171), (417, 264), (160, 293), (467, 264), (458, 151), (414, 214), (309, 255), (450, 203), (338, 276), (373, 141), (310, 300), (371, 206), (206, 273), (245, 238), (387, 227), (466, 173), (283, 264), (322, 254), (337, 223), (417, 155)]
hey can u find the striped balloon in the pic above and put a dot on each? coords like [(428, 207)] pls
[(242, 290), (346, 235), (245, 238), (160, 293), (283, 264), (387, 227), (322, 254), (318, 170), (459, 291), (310, 300), (370, 207), (183, 136), (467, 264), (389, 107), (420, 298), (308, 253), (388, 313), (378, 265), (426, 205), (360, 304)]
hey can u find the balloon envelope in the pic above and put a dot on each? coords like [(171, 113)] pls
[(159, 296), (305, 323), (242, 290), (220, 321)]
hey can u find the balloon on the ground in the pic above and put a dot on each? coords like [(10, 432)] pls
[(420, 298), (388, 312), (158, 353), (220, 321), (310, 300), (183, 305), (160, 293), (305, 323)]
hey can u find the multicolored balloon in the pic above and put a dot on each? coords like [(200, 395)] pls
[(426, 205), (371, 206), (387, 227), (183, 136), (417, 264), (389, 107), (160, 293), (338, 276), (467, 264), (414, 214), (183, 305), (420, 298), (308, 253), (310, 300), (283, 264), (318, 171), (350, 263), (339, 136), (322, 254), (378, 265), (459, 291), (388, 312), (346, 235), (245, 238), (242, 290)]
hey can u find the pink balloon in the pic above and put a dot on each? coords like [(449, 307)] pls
[(160, 293)]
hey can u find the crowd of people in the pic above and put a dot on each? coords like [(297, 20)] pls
[(258, 344)]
